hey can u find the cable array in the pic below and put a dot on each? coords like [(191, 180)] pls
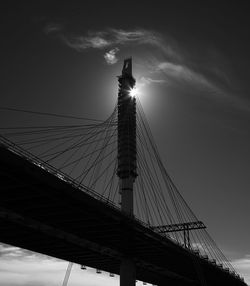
[(87, 152), (160, 203)]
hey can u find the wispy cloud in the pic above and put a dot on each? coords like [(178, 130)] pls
[(110, 57), (143, 82), (172, 63), (107, 38), (111, 38), (139, 36), (52, 28), (176, 62), (187, 79), (182, 72), (148, 80), (80, 43)]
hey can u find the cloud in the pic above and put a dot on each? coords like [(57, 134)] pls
[(113, 39), (148, 80), (81, 43), (180, 67), (40, 270), (52, 28), (144, 82), (7, 249), (108, 37), (139, 36), (177, 63), (243, 266), (146, 37), (187, 79), (12, 251), (110, 56), (182, 72), (33, 269)]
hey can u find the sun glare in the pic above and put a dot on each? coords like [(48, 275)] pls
[(133, 92)]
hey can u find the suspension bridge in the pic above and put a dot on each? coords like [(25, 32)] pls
[(97, 194)]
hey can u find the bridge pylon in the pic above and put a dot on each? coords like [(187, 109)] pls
[(126, 170)]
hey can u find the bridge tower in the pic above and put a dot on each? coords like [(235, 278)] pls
[(126, 171)]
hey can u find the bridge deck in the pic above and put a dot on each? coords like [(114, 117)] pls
[(43, 213)]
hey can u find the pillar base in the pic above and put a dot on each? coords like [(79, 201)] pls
[(127, 272)]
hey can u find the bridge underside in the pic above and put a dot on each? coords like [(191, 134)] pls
[(42, 213)]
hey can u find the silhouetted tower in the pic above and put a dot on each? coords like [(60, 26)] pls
[(126, 137), (126, 161)]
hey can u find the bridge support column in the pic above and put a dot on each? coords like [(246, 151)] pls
[(127, 272), (127, 267)]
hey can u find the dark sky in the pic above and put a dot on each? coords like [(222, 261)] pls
[(192, 65)]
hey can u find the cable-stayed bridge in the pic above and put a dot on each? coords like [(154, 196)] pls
[(98, 194)]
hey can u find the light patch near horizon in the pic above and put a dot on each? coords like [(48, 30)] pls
[(20, 267), (242, 265), (38, 271)]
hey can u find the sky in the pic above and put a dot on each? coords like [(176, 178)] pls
[(191, 63)]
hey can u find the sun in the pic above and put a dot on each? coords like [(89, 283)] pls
[(133, 92)]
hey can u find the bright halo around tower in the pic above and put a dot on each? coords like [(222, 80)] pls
[(133, 92)]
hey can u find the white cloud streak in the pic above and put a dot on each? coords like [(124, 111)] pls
[(82, 43), (111, 37), (182, 72), (143, 82), (148, 80)]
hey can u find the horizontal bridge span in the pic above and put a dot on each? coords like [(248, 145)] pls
[(42, 213)]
